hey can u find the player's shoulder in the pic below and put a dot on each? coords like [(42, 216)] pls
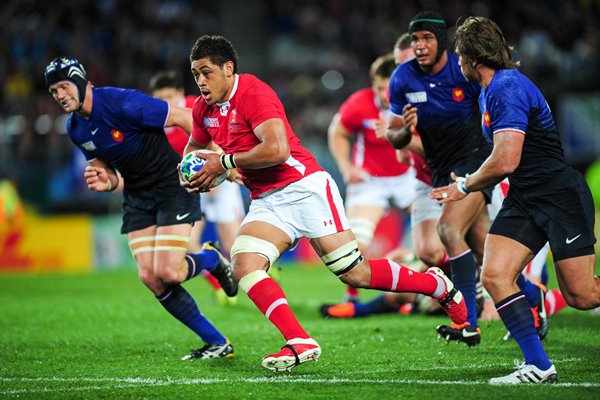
[(505, 81), (250, 84), (362, 95)]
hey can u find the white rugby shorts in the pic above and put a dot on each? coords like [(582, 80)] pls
[(223, 204), (311, 207), (424, 208), (381, 191)]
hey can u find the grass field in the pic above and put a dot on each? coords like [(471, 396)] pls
[(103, 336)]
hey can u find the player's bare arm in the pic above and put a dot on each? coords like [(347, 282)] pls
[(273, 148), (400, 130), (505, 158), (181, 117), (338, 139), (100, 177)]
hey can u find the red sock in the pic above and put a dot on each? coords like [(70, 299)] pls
[(211, 279), (444, 263), (554, 302), (351, 291), (392, 277), (271, 301)]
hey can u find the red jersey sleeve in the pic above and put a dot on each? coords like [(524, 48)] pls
[(351, 117)]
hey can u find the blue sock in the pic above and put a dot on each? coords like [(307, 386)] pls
[(182, 306), (531, 291), (518, 318), (376, 306), (205, 259), (464, 277)]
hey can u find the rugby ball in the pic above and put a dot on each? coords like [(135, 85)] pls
[(191, 164)]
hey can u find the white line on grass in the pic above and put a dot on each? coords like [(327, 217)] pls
[(126, 383)]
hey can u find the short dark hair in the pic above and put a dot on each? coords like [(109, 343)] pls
[(479, 39), (217, 49), (383, 66), (165, 79), (403, 42)]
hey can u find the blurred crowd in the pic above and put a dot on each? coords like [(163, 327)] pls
[(314, 53)]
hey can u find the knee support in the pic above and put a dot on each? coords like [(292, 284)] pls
[(251, 244), (343, 259), (159, 243)]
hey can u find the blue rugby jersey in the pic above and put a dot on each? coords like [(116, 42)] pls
[(513, 102), (125, 130), (446, 107)]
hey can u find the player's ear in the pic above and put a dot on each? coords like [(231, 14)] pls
[(229, 68)]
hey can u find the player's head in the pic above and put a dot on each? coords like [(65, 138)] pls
[(67, 69), (403, 51), (214, 62), (423, 28), (166, 85), (479, 40), (381, 70)]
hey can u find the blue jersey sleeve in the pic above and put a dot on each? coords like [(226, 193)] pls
[(508, 109), (396, 92), (146, 110)]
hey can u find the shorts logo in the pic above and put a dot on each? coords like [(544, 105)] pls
[(180, 217), (330, 222), (117, 135), (569, 241), (458, 94), (416, 97), (211, 122), (487, 121)]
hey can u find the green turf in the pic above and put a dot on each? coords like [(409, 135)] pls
[(104, 336)]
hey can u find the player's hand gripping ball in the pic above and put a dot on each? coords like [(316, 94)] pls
[(190, 164)]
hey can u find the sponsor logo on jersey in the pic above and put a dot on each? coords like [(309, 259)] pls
[(211, 122), (117, 135), (416, 97), (89, 146), (487, 121), (458, 94)]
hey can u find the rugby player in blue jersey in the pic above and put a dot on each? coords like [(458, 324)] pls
[(548, 200), (430, 94), (120, 132)]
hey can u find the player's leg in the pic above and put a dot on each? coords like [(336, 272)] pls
[(363, 219), (223, 206), (577, 283), (504, 259), (340, 254), (424, 215), (174, 298), (173, 266), (383, 304), (365, 205), (456, 220), (255, 249)]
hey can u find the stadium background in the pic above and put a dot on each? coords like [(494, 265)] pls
[(314, 54)]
